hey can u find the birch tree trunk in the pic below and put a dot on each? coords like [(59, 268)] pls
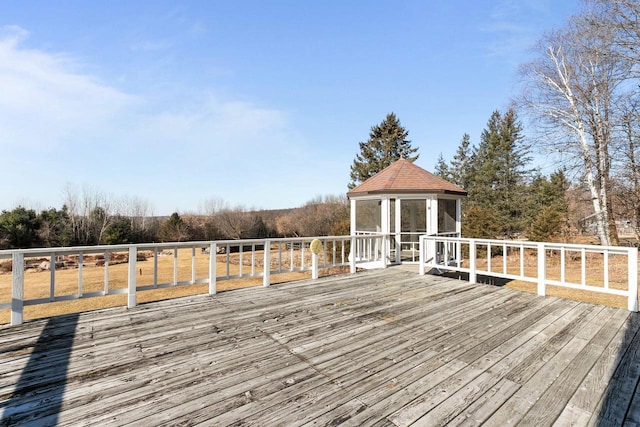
[(573, 89)]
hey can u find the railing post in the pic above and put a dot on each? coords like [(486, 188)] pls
[(384, 251), (213, 251), (421, 258), (352, 256), (266, 268), (17, 291), (473, 276), (314, 265), (133, 257), (316, 247), (633, 279), (542, 258)]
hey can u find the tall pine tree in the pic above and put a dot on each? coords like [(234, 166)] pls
[(442, 169), (460, 168), (547, 208), (387, 143), (500, 174)]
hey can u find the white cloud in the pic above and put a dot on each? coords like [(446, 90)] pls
[(514, 26), (59, 124), (45, 99)]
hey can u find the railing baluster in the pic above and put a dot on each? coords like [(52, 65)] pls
[(131, 285), (472, 262), (155, 267), (80, 267), (504, 258), (606, 269), (106, 272), (175, 266), (562, 264), (253, 259), (228, 251), (52, 278), (241, 260), (583, 267), (352, 259), (324, 253), (193, 265), (291, 261), (333, 259)]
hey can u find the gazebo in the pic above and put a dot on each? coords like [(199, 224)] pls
[(403, 202)]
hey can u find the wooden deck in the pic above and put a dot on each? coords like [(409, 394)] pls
[(383, 348)]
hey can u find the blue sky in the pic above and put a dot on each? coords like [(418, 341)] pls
[(255, 103)]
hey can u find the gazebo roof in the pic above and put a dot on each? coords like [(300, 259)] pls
[(403, 176)]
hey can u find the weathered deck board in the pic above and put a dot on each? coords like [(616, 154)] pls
[(381, 348)]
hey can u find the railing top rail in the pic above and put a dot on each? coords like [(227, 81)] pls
[(6, 254), (526, 243), (371, 233)]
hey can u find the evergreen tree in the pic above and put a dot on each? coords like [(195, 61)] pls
[(387, 143), (499, 172), (548, 209), (174, 229), (442, 169), (55, 227), (18, 228), (120, 230), (479, 223), (461, 167)]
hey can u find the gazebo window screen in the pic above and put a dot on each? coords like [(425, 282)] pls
[(368, 216), (446, 216), (392, 215)]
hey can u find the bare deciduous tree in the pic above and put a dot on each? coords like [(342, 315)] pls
[(575, 90), (90, 213), (622, 18)]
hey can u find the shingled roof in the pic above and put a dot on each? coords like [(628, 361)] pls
[(403, 176)]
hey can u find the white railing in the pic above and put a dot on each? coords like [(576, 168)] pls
[(229, 259), (605, 269), (373, 249)]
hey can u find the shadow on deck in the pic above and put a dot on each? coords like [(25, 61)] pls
[(384, 347)]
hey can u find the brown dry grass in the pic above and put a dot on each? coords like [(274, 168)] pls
[(594, 274), (66, 282)]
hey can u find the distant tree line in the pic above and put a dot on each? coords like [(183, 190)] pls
[(90, 218)]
